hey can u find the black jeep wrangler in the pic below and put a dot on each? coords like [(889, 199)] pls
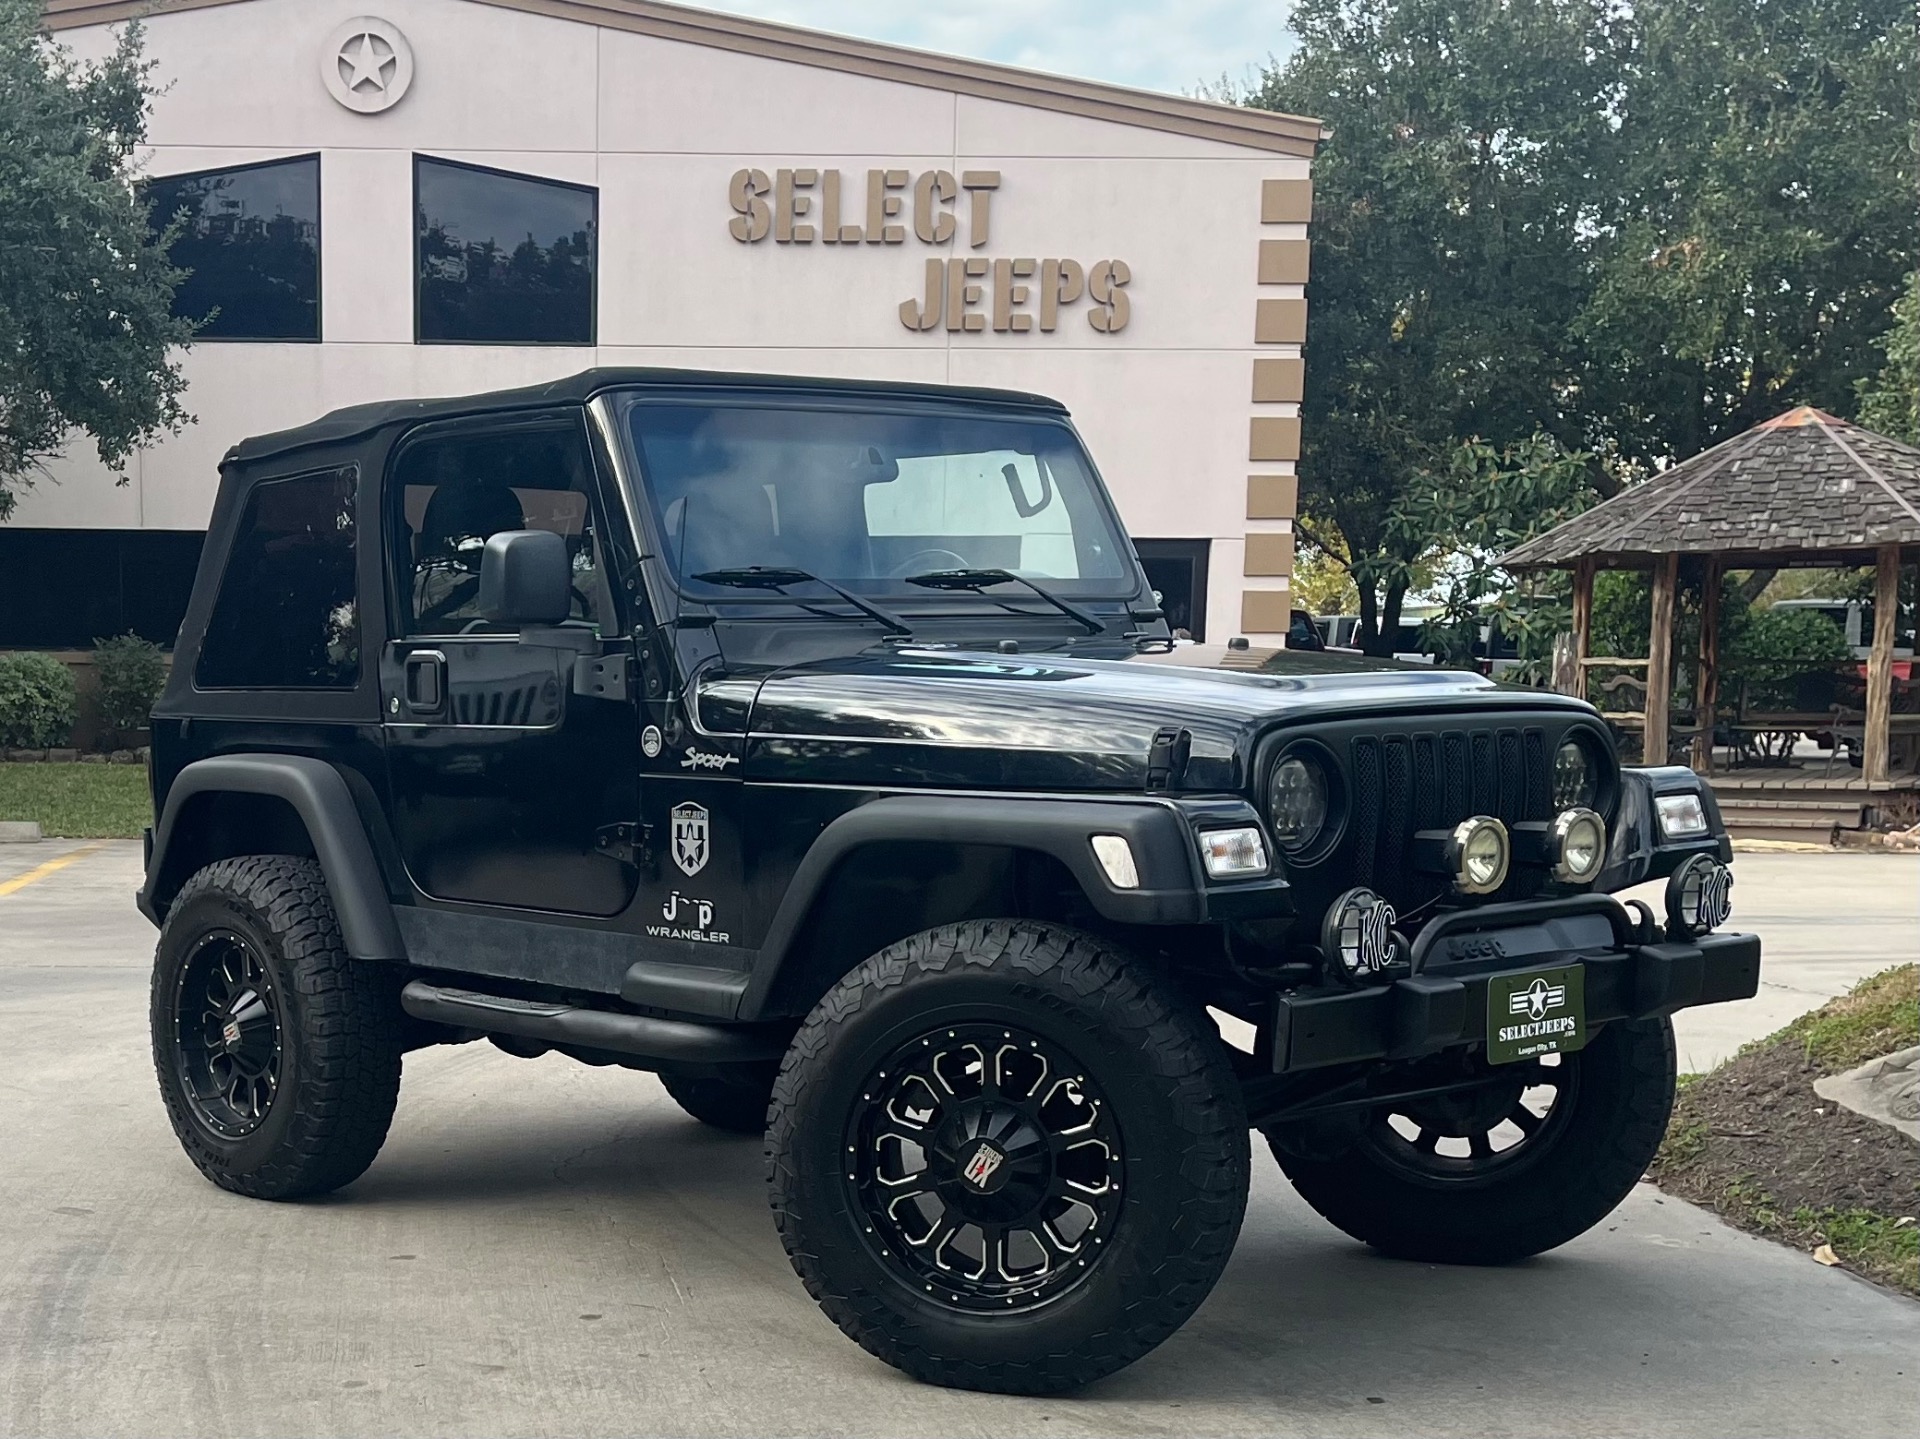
[(820, 746)]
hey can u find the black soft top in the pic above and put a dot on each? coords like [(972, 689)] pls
[(358, 420)]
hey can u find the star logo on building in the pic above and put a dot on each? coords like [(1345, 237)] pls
[(367, 61), (367, 65)]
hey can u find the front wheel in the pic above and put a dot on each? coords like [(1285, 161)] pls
[(1004, 1156), (1537, 1156)]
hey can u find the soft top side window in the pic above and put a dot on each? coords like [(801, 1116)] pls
[(288, 612), (452, 492)]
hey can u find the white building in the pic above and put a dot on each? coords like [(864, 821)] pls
[(443, 196)]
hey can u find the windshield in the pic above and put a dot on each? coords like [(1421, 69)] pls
[(868, 499)]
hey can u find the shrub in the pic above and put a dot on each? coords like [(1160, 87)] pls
[(1787, 658), (38, 701), (131, 673)]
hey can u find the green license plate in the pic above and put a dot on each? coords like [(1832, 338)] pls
[(1536, 1012)]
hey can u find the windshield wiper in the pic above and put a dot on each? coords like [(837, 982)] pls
[(778, 577), (979, 579)]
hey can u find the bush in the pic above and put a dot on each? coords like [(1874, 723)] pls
[(38, 702), (131, 673), (1787, 658)]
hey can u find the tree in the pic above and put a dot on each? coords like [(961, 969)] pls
[(1890, 402), (1765, 218), (1453, 210), (85, 288)]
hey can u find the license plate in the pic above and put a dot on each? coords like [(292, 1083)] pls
[(1536, 1012)]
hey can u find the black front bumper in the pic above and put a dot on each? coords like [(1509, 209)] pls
[(1439, 1009)]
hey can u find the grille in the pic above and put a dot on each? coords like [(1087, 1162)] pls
[(1403, 783)]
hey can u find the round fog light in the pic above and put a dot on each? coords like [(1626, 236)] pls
[(1478, 855), (1699, 896), (1579, 846), (1357, 934)]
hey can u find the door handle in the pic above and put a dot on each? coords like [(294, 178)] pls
[(424, 681)]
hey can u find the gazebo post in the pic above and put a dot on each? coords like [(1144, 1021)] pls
[(1877, 765), (1653, 744), (1706, 679), (1582, 621)]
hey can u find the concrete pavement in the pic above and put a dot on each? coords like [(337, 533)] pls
[(546, 1248)]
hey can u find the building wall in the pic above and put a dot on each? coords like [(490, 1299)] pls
[(1172, 406)]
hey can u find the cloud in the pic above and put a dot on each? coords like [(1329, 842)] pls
[(1169, 45)]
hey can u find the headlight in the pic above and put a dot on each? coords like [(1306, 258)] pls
[(1576, 778), (1579, 846), (1699, 897), (1682, 816), (1479, 854), (1234, 853), (1297, 802)]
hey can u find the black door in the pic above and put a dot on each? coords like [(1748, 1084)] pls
[(1177, 570), (508, 787)]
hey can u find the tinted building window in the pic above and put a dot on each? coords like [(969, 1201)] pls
[(502, 259), (63, 589), (250, 242), (288, 613)]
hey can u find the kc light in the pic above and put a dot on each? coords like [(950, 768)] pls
[(1234, 853), (1682, 816), (1479, 854), (1699, 897), (1357, 934), (1579, 845), (1116, 858)]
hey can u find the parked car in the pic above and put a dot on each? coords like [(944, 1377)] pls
[(818, 746)]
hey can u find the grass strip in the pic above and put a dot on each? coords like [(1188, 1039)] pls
[(78, 801)]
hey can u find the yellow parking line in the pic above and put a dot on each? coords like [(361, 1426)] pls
[(52, 866)]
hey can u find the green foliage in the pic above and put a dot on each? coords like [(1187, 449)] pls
[(1631, 231), (38, 701), (1785, 658), (78, 801), (1890, 402), (131, 672), (1622, 611), (85, 289)]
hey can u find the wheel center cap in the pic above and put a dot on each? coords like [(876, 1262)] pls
[(985, 1167), (230, 1032)]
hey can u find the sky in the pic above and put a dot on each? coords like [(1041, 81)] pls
[(1170, 45)]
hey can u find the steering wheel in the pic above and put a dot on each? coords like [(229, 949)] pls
[(912, 565)]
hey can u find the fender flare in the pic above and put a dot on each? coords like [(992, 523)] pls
[(319, 795), (1170, 891)]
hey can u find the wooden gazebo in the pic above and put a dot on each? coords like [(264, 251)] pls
[(1804, 489)]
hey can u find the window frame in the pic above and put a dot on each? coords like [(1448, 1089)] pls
[(397, 570), (319, 244), (593, 278), (363, 671)]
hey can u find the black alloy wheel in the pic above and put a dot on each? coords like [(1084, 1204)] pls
[(227, 1034), (1479, 1136), (1535, 1156), (987, 1167)]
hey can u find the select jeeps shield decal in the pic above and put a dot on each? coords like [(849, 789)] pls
[(690, 837)]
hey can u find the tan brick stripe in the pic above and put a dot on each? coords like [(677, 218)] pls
[(1277, 380)]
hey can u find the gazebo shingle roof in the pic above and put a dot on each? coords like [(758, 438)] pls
[(1802, 484)]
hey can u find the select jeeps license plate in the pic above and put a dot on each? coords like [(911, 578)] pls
[(1536, 1012)]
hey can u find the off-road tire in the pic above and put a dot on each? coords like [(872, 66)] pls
[(1183, 1152), (736, 1103), (1620, 1113), (341, 1030)]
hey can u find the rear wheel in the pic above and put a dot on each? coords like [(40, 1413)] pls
[(1537, 1156), (1004, 1156), (278, 1055), (735, 1102)]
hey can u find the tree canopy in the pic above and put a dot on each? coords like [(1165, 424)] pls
[(85, 289), (1578, 236)]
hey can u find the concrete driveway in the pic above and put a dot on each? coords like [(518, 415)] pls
[(548, 1249)]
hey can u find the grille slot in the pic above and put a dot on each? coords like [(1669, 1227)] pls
[(1405, 783)]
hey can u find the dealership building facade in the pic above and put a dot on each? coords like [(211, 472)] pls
[(447, 196)]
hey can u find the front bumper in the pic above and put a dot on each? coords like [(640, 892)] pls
[(1437, 1009)]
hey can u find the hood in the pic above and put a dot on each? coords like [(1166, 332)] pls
[(956, 718)]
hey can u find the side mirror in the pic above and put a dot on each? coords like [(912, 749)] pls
[(525, 578)]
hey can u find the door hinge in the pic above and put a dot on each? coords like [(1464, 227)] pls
[(601, 677), (628, 843)]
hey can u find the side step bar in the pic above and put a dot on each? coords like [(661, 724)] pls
[(665, 1041)]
